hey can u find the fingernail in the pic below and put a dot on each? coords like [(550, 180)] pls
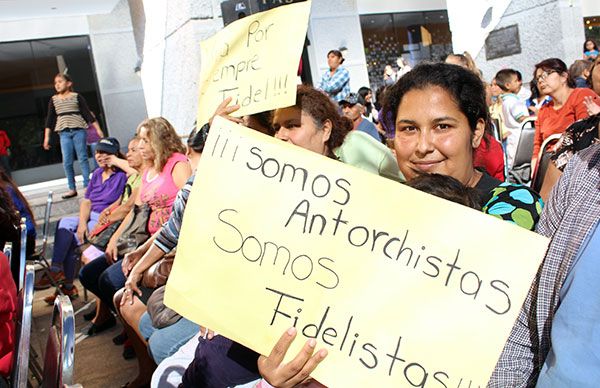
[(323, 353), (312, 343), (291, 331)]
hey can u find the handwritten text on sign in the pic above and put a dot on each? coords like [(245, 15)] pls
[(409, 295), (253, 60)]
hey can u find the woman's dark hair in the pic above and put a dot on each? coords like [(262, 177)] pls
[(6, 181), (590, 79), (535, 92), (446, 187), (556, 65), (379, 97), (363, 92), (67, 78), (464, 86), (321, 108), (338, 54), (589, 40), (197, 138), (263, 121)]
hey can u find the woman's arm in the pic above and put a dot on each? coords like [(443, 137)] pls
[(181, 173), (85, 208), (50, 124), (111, 249), (552, 176), (152, 255), (121, 212), (121, 163)]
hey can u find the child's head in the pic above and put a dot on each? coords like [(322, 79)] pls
[(580, 68), (446, 187), (508, 81), (63, 83)]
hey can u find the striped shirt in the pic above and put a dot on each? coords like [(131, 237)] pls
[(70, 112), (168, 236)]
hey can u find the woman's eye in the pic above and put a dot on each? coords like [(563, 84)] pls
[(407, 129)]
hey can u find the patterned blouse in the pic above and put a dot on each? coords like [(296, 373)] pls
[(580, 135)]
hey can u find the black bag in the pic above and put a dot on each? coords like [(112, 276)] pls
[(101, 239), (136, 231)]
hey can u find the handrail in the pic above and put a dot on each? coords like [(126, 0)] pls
[(63, 320), (23, 330), (22, 256)]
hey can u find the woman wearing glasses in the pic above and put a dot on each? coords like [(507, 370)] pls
[(567, 105)]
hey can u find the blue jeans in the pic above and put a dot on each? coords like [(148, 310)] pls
[(93, 157), (73, 141), (166, 341)]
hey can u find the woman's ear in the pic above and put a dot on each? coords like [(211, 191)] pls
[(478, 133), (327, 127)]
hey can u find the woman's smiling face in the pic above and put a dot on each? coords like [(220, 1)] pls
[(433, 135)]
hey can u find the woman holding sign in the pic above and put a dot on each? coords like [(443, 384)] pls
[(440, 115)]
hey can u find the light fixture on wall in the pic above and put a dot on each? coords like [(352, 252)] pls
[(138, 67), (344, 51)]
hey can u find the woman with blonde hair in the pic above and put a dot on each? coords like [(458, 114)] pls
[(169, 170)]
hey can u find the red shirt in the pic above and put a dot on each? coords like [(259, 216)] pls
[(490, 156), (4, 143), (8, 310), (551, 121)]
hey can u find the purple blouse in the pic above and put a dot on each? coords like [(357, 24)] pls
[(102, 194)]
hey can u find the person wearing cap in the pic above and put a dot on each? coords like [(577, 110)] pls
[(106, 187), (336, 81), (353, 107)]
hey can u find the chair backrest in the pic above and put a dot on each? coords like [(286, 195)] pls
[(46, 227), (496, 129), (22, 257), (8, 250), (524, 151), (60, 348), (543, 161), (23, 330)]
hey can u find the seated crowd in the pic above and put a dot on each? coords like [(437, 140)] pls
[(431, 130)]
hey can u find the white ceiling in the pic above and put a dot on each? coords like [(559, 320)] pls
[(32, 9)]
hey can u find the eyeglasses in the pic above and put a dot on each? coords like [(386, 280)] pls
[(545, 75)]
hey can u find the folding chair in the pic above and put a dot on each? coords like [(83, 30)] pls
[(543, 162), (8, 250), (521, 169), (60, 348), (23, 329), (39, 257)]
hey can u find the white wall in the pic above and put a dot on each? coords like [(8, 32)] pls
[(590, 8), (30, 29), (379, 6), (334, 24)]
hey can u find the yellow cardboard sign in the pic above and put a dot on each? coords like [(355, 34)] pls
[(402, 288), (254, 60)]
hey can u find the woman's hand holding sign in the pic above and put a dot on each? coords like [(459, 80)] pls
[(224, 111), (295, 372)]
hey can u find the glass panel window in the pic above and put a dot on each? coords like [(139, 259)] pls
[(412, 36), (27, 71)]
